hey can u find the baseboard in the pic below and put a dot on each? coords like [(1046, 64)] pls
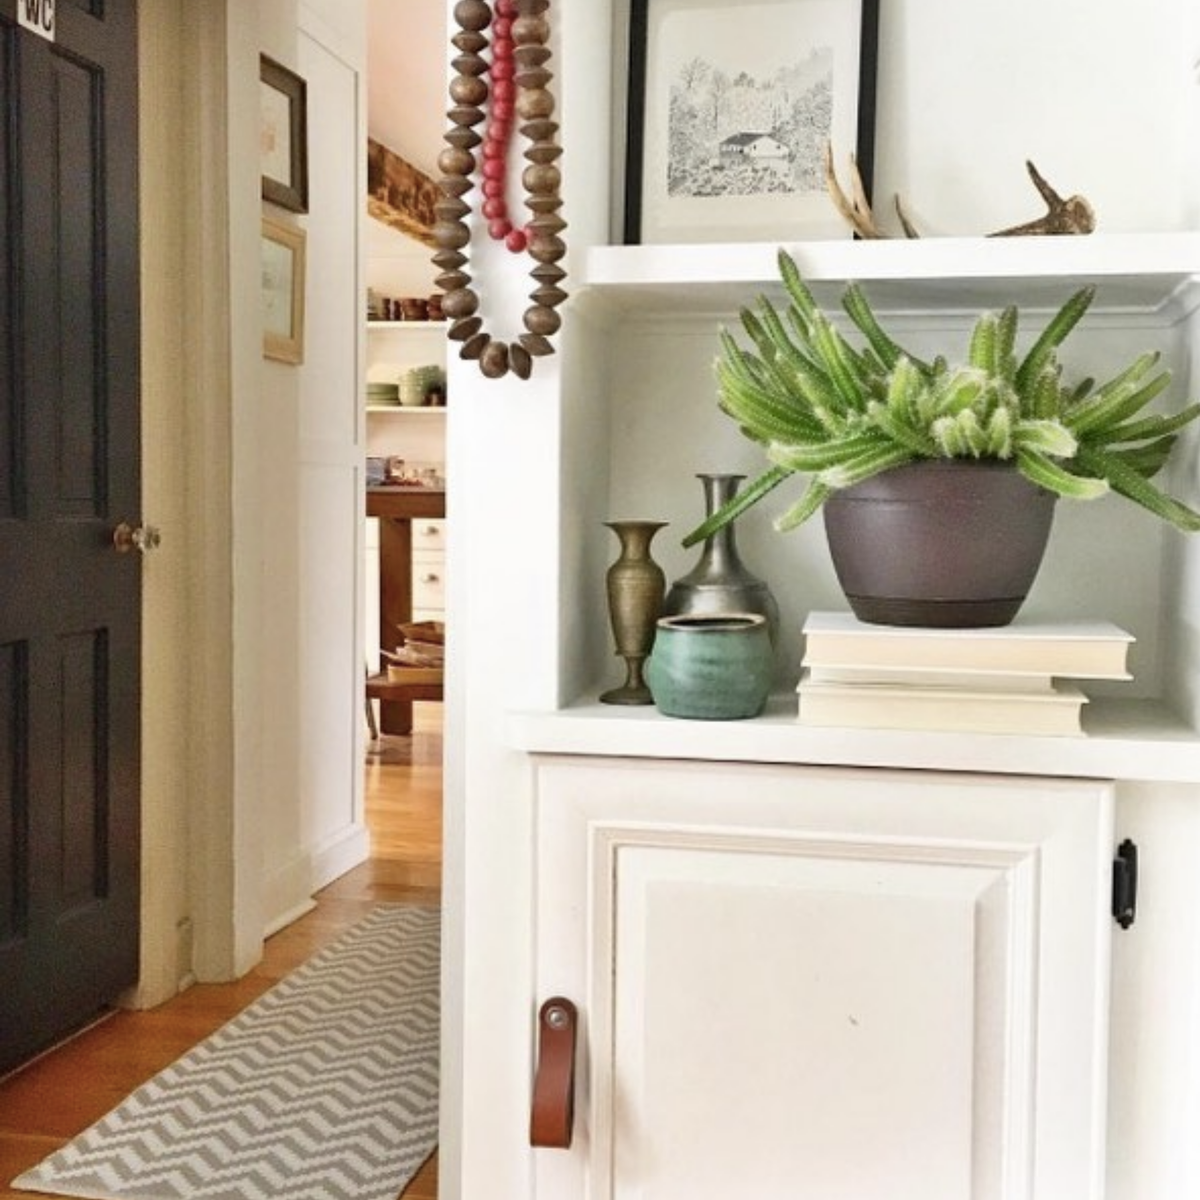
[(343, 852)]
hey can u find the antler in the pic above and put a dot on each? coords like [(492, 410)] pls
[(856, 208), (1073, 215)]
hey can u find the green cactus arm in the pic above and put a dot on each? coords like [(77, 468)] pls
[(813, 457), (1134, 486), (1120, 398), (891, 420), (1148, 459), (770, 415), (870, 462), (808, 505), (1045, 472), (1154, 426), (734, 508), (1061, 324), (1044, 398), (983, 352), (999, 431), (1044, 437), (795, 286), (1006, 341), (859, 310), (838, 364)]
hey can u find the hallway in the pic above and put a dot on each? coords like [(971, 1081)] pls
[(55, 1098)]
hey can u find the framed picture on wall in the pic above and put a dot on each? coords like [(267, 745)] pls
[(730, 109), (283, 135), (282, 291)]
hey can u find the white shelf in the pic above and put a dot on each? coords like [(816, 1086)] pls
[(405, 326), (1153, 274), (407, 410), (1134, 740)]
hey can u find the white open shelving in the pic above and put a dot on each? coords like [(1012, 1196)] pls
[(1149, 282)]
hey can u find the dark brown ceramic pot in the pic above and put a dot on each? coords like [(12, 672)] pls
[(950, 543)]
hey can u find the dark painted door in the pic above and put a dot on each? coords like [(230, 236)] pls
[(69, 473)]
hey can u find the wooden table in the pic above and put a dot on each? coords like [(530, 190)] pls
[(397, 508)]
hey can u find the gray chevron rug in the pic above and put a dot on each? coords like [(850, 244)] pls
[(325, 1088)]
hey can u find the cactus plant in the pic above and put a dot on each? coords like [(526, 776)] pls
[(840, 413)]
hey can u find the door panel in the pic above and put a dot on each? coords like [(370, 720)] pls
[(863, 985), (69, 454)]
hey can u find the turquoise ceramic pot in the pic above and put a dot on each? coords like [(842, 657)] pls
[(711, 666)]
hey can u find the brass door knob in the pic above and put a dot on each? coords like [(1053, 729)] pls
[(141, 538)]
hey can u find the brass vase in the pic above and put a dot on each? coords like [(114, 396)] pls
[(636, 586)]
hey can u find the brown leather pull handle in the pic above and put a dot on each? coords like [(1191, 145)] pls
[(554, 1085)]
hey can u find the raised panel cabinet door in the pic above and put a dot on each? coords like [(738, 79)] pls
[(848, 985)]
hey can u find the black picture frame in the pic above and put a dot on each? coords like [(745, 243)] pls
[(283, 135), (685, 210)]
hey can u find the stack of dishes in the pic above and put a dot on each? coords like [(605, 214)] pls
[(382, 393)]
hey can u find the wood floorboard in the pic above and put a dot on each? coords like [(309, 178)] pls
[(50, 1101)]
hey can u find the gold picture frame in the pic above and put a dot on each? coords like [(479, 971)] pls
[(282, 291)]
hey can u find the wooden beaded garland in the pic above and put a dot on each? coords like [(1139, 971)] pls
[(519, 87)]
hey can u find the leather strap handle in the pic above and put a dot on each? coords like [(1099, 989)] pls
[(553, 1113)]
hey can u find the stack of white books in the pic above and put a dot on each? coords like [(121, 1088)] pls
[(1016, 678)]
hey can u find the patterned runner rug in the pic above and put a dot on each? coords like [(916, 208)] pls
[(325, 1088)]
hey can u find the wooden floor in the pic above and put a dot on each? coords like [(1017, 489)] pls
[(45, 1105)]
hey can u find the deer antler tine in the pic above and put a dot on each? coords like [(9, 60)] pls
[(910, 230), (856, 211), (1071, 216)]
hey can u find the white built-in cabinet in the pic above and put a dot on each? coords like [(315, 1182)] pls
[(874, 961), (887, 985)]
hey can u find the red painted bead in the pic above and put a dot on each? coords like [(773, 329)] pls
[(516, 241), (495, 207), (502, 29), (503, 89), (493, 168), (494, 147), (493, 187), (502, 110), (500, 228), (506, 8)]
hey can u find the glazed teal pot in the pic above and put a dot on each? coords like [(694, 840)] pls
[(711, 666)]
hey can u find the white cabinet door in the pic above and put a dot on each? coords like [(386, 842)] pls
[(847, 985)]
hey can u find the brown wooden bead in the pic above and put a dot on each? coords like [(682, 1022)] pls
[(472, 15), (546, 225), (543, 204), (473, 347), (451, 235), (531, 56), (455, 161), (541, 179), (465, 114), (543, 272), (548, 296), (470, 41), (461, 302), (466, 327), (543, 152), (533, 77), (520, 361), (462, 137), (451, 281), (531, 8), (493, 361), (454, 185), (543, 320), (469, 64), (537, 345), (451, 260), (451, 208), (531, 31), (540, 129), (533, 105), (467, 89), (547, 249)]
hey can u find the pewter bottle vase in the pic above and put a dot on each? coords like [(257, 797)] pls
[(636, 586), (720, 582)]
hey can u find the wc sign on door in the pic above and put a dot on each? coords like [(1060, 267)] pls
[(37, 15)]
